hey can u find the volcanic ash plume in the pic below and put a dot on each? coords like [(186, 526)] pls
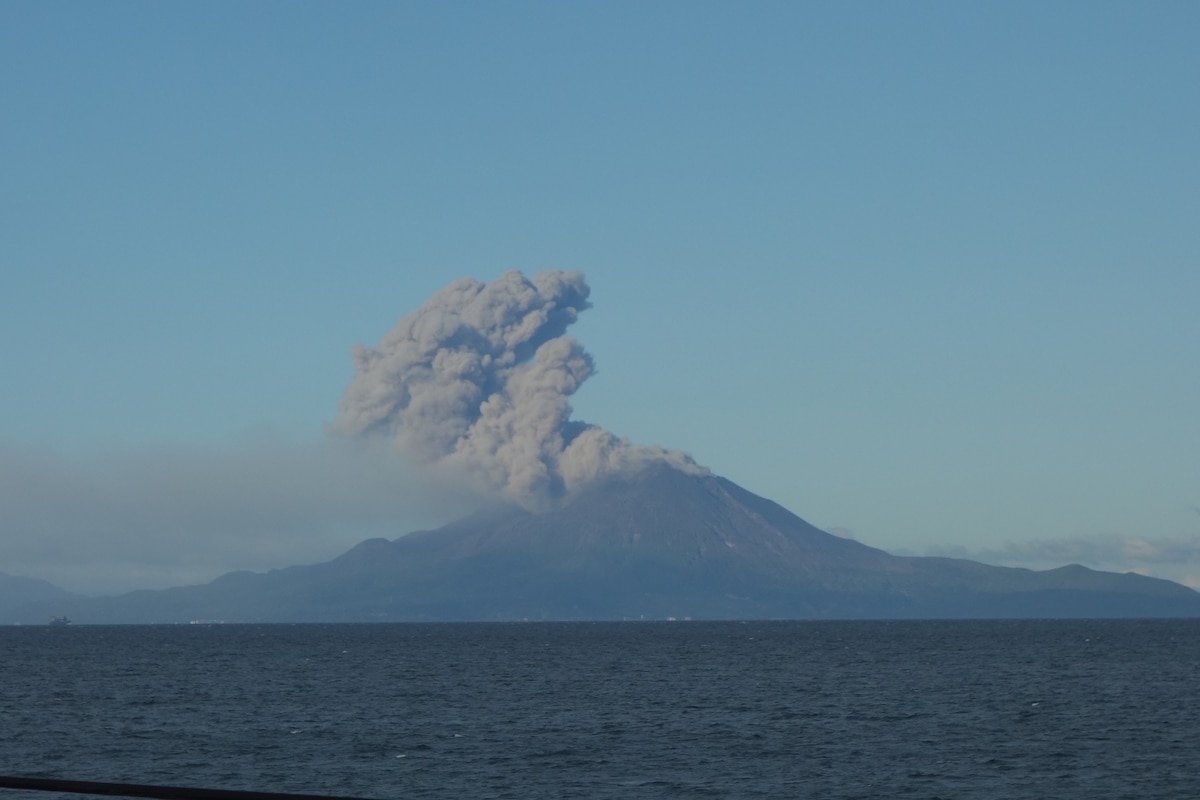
[(477, 380)]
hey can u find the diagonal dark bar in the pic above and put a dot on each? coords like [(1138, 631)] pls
[(147, 790)]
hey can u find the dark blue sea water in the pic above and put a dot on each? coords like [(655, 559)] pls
[(1093, 709)]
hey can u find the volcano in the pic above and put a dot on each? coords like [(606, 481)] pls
[(662, 543)]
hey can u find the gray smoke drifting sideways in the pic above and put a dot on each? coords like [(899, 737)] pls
[(477, 381)]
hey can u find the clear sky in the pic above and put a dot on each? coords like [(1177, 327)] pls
[(924, 273)]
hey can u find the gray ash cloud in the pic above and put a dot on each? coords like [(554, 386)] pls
[(477, 382)]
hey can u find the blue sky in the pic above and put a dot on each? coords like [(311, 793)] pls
[(924, 273)]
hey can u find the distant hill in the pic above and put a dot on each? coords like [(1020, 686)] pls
[(664, 543), (16, 591)]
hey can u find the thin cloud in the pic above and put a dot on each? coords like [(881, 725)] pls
[(841, 533), (1101, 548), (1176, 558), (164, 516)]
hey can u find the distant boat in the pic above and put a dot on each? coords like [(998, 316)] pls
[(59, 621)]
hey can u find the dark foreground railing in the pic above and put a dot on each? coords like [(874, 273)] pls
[(146, 790)]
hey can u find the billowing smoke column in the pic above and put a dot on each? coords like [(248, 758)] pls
[(478, 379)]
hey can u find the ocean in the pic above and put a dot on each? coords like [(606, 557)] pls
[(984, 710)]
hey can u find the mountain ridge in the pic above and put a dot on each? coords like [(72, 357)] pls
[(17, 591)]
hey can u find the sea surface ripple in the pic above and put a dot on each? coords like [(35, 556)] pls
[(988, 710)]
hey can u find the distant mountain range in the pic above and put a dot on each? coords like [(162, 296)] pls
[(16, 591), (661, 544)]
